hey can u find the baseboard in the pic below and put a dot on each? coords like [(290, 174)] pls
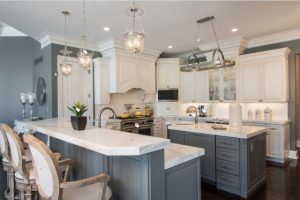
[(293, 155), (298, 143)]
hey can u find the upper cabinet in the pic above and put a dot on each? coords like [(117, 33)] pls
[(127, 71), (194, 86), (222, 84), (101, 80), (264, 76), (167, 70)]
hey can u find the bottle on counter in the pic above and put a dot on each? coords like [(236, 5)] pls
[(268, 114), (258, 114)]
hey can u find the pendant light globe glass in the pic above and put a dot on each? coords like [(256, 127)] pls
[(66, 69), (85, 58), (134, 36), (134, 42)]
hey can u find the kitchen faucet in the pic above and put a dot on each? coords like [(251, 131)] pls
[(193, 109), (101, 111)]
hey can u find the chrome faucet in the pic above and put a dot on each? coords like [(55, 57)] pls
[(101, 111), (193, 109)]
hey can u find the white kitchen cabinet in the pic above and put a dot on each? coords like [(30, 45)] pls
[(101, 81), (222, 84), (157, 129), (264, 76), (201, 88), (194, 86), (167, 70), (78, 87), (250, 81), (278, 141), (188, 86)]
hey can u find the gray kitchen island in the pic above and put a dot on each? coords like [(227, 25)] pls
[(234, 161), (140, 167)]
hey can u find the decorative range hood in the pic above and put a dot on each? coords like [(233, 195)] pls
[(126, 71), (218, 59)]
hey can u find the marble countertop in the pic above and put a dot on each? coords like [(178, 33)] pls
[(205, 128), (176, 154), (189, 118), (104, 141)]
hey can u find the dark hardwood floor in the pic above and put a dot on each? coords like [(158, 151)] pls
[(282, 184)]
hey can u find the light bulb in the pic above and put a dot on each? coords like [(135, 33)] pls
[(66, 69)]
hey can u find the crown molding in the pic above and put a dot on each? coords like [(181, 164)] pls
[(275, 38), (115, 46), (275, 53), (53, 38)]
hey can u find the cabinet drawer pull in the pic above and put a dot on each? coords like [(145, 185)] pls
[(225, 167), (226, 143), (226, 155)]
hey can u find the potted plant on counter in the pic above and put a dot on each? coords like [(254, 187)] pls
[(78, 121)]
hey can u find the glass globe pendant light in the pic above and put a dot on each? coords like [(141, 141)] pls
[(85, 58), (134, 36), (66, 67)]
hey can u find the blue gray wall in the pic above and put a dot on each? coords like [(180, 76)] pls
[(16, 65), (295, 48)]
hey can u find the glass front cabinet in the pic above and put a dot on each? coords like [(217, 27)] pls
[(222, 84)]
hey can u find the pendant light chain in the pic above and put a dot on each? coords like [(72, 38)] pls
[(85, 58)]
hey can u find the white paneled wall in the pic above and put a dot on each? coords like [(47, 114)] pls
[(221, 110), (137, 97)]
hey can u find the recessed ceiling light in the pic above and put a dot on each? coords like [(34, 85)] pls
[(170, 47), (234, 30), (106, 28)]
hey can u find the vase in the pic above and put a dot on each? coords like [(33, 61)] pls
[(235, 116), (78, 123)]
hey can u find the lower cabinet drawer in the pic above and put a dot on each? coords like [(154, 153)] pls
[(228, 155), (228, 167), (228, 182), (227, 142)]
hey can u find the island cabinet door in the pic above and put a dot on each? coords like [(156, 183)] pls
[(176, 136), (208, 164), (253, 164)]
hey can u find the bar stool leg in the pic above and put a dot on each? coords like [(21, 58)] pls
[(11, 177), (28, 194)]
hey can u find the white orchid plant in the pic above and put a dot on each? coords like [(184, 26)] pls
[(78, 109)]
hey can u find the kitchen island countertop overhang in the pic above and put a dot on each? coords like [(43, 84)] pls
[(104, 141)]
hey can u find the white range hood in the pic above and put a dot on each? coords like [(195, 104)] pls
[(127, 71)]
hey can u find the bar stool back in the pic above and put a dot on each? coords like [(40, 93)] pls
[(51, 184), (24, 173), (6, 162)]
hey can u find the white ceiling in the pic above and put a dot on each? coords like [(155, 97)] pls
[(165, 22)]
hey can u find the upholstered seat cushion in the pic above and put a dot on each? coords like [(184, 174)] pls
[(29, 168), (90, 192)]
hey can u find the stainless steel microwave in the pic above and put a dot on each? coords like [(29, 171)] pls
[(168, 95)]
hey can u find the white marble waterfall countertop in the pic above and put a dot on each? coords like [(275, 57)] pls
[(176, 154), (205, 128), (104, 141)]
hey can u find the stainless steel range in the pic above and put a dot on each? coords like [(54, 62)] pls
[(139, 125)]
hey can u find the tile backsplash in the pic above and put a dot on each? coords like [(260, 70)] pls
[(221, 110), (137, 97)]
